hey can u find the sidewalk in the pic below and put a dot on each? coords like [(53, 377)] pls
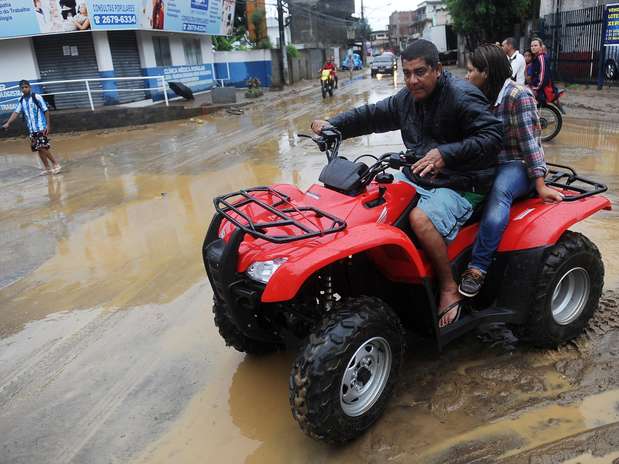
[(107, 117)]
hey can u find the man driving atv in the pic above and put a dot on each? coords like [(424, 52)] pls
[(448, 121), (330, 65)]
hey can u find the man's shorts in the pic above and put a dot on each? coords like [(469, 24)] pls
[(38, 141), (446, 208)]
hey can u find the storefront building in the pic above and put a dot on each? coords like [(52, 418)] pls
[(64, 40)]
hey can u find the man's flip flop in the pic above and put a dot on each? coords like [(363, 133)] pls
[(449, 308)]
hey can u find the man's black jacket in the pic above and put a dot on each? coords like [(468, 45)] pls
[(455, 119)]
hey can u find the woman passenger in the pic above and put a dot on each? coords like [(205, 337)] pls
[(521, 161)]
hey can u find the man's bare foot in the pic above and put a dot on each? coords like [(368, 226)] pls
[(447, 316)]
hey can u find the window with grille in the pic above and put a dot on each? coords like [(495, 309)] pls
[(162, 51), (193, 51)]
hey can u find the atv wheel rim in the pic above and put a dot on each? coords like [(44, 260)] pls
[(365, 377), (570, 296)]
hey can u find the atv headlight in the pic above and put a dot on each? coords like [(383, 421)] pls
[(262, 271)]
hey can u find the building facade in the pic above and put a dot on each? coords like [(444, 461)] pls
[(433, 23), (400, 23), (141, 52), (380, 41), (319, 23), (552, 6)]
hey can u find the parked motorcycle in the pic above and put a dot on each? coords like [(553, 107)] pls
[(551, 117)]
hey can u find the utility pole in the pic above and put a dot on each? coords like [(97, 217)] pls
[(363, 50), (283, 65)]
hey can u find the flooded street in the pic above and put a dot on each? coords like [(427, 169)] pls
[(109, 352)]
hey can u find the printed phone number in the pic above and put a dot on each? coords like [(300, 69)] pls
[(190, 27), (115, 19)]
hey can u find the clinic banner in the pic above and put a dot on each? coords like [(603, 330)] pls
[(611, 33), (19, 18)]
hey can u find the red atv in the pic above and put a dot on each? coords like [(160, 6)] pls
[(337, 270)]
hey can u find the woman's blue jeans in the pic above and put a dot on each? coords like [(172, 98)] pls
[(511, 183)]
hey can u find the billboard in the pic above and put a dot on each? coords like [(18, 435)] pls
[(20, 18), (611, 33)]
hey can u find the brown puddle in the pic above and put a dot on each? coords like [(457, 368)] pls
[(123, 228)]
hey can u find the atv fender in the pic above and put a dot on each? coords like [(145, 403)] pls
[(389, 247), (540, 225)]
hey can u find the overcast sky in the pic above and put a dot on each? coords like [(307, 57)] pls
[(378, 11)]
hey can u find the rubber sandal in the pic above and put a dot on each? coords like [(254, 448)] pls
[(449, 308)]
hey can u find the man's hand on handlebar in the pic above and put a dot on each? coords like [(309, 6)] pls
[(318, 125)]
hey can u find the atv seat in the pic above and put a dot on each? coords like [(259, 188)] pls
[(477, 213)]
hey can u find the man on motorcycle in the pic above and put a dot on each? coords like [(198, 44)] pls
[(447, 120), (330, 65)]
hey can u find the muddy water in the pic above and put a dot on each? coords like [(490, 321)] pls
[(108, 350)]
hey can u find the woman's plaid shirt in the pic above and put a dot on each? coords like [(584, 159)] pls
[(517, 108)]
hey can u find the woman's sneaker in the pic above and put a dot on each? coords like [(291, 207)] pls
[(471, 282)]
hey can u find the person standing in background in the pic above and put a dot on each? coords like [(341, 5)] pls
[(528, 59), (541, 78), (33, 109), (516, 60)]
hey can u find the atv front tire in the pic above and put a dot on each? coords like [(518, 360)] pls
[(567, 292), (234, 337), (341, 381)]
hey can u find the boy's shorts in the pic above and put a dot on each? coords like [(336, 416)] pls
[(38, 141), (447, 209)]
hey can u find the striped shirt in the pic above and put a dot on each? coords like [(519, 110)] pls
[(33, 116), (517, 108)]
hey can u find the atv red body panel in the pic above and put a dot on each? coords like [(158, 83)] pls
[(371, 229)]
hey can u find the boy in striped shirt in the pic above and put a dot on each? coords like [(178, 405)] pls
[(33, 109)]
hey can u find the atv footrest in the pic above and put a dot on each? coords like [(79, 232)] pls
[(302, 221)]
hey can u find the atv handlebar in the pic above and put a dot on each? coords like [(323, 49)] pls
[(329, 142)]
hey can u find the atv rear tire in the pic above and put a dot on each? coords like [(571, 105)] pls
[(567, 292), (234, 337), (341, 381)]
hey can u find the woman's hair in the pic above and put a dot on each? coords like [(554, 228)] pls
[(537, 39), (493, 61)]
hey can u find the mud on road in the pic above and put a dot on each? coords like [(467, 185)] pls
[(108, 351)]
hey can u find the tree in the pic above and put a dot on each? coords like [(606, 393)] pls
[(482, 21)]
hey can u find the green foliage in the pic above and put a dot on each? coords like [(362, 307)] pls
[(293, 51), (222, 44), (482, 21), (240, 40), (264, 44)]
